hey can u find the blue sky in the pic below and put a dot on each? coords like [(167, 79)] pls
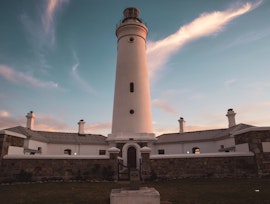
[(58, 58)]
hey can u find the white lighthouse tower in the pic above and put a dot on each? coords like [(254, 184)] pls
[(132, 116)]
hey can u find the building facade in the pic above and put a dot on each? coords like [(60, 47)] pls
[(132, 134)]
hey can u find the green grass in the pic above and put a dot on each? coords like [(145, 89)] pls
[(191, 191)]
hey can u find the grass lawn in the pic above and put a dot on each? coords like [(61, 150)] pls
[(190, 191)]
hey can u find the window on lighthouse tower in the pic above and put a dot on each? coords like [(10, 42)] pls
[(131, 87)]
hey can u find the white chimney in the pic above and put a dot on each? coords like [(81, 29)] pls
[(30, 120), (182, 125), (81, 127), (231, 117)]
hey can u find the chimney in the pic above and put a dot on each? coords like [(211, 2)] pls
[(182, 125), (30, 120), (81, 127), (231, 117)]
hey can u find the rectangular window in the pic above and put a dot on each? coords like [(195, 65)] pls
[(67, 151), (161, 151), (102, 152), (131, 87)]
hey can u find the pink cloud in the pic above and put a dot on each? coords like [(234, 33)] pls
[(4, 113), (164, 106), (205, 25), (257, 114), (99, 126), (8, 121), (49, 122), (22, 78)]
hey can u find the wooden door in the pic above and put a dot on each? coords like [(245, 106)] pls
[(131, 157)]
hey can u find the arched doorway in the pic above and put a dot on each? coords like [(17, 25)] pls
[(132, 157), (137, 155)]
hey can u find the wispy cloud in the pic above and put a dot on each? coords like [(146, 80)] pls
[(84, 85), (228, 83), (40, 29), (22, 78), (48, 17), (205, 25), (164, 106), (248, 38)]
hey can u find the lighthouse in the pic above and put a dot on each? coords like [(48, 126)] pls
[(132, 115)]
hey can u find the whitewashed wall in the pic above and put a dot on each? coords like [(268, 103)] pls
[(242, 147), (15, 150), (183, 148), (229, 142), (58, 149), (92, 149), (32, 144)]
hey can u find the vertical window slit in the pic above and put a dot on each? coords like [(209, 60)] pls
[(131, 87)]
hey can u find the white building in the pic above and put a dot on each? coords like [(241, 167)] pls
[(132, 120)]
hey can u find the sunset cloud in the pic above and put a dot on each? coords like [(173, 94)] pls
[(50, 122), (206, 24), (191, 128), (7, 120), (22, 78), (255, 107), (4, 113), (160, 131), (99, 128)]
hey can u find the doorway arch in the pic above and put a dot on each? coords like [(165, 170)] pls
[(129, 149)]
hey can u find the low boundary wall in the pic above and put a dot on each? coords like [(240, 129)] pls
[(219, 165), (48, 168)]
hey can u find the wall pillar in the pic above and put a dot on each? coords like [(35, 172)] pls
[(255, 139), (114, 152), (145, 166)]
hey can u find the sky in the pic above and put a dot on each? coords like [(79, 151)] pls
[(58, 59)]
